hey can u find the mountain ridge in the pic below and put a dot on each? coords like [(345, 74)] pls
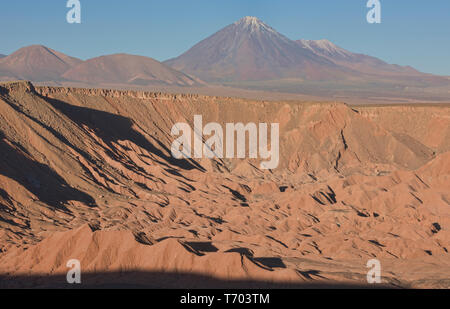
[(292, 59), (39, 63), (129, 69), (247, 55), (248, 50)]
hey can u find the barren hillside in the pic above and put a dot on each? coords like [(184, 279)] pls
[(87, 174)]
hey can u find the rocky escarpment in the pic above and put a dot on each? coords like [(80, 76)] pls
[(352, 184)]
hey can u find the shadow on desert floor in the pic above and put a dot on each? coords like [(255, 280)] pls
[(161, 280), (112, 128), (38, 178)]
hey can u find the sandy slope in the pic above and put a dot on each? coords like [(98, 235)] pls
[(87, 174)]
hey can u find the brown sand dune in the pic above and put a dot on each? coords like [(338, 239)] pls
[(88, 174)]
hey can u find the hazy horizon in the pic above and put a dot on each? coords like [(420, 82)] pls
[(162, 31)]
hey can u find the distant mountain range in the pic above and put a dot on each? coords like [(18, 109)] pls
[(128, 69), (41, 64), (246, 54), (356, 62), (250, 50)]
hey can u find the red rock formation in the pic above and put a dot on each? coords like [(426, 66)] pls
[(353, 183)]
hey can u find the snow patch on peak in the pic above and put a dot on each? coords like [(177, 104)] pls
[(253, 24), (325, 43), (250, 20), (324, 47)]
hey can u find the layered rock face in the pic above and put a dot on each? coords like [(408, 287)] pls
[(88, 174)]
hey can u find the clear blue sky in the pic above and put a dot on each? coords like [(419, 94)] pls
[(413, 32)]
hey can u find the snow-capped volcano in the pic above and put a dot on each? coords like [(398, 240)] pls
[(250, 50)]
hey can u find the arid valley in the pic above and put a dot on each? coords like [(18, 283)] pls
[(87, 174), (238, 157)]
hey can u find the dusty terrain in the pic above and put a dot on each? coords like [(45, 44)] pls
[(87, 174)]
